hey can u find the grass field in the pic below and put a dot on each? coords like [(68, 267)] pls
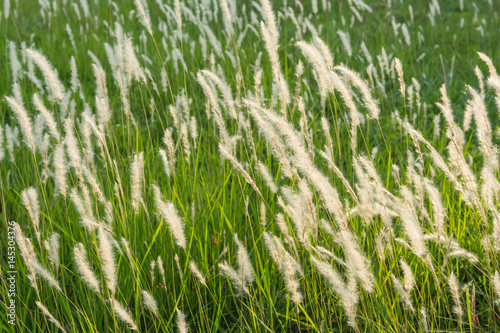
[(227, 166)]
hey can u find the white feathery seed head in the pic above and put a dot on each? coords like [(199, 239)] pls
[(24, 121), (123, 314), (51, 318), (168, 212), (107, 260), (85, 269), (197, 273), (182, 326), (136, 180), (149, 302), (52, 81)]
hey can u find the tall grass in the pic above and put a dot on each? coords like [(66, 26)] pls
[(250, 166)]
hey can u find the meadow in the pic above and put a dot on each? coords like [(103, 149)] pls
[(259, 166)]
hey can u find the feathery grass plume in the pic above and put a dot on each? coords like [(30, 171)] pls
[(346, 291), (403, 293), (301, 159), (370, 103), (159, 261), (357, 264), (264, 171), (169, 144), (53, 246), (51, 318), (182, 326), (30, 201), (149, 302), (15, 65), (24, 121), (136, 180), (271, 38), (47, 116), (495, 279), (102, 102), (409, 280), (482, 122), (409, 218), (52, 81), (178, 16), (72, 147), (84, 268), (226, 92), (177, 263), (399, 69), (168, 212), (235, 277), (123, 314), (346, 41), (438, 211), (288, 267), (225, 152), (244, 264), (107, 260), (439, 161), (86, 216), (424, 319), (165, 161), (26, 250), (144, 19), (455, 293), (197, 273), (227, 16), (329, 144), (445, 107), (152, 271), (74, 72), (489, 63), (270, 19), (263, 220), (185, 141), (325, 51), (38, 269), (212, 100)]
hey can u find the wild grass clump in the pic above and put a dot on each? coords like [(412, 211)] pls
[(259, 166)]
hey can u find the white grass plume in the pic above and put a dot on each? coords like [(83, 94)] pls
[(136, 180), (52, 319), (266, 175), (347, 295), (149, 302), (235, 277), (83, 266), (123, 314), (144, 19), (52, 245), (197, 273), (30, 201), (52, 81), (47, 116), (24, 121), (182, 326), (399, 70), (244, 264), (455, 293), (168, 212), (107, 260), (495, 280)]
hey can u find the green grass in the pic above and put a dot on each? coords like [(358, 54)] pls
[(214, 200)]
